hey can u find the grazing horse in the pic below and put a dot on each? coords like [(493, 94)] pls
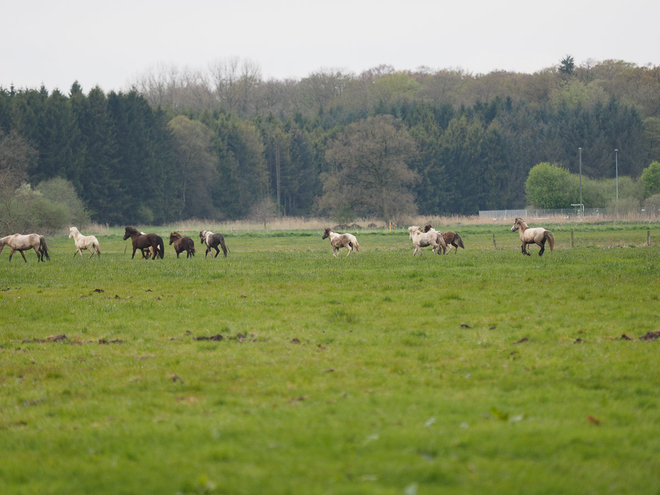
[(533, 236), (450, 237), (338, 241), (212, 241), (145, 241), (88, 242), (182, 244), (422, 239), (20, 243)]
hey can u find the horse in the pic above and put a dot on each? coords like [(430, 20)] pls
[(450, 237), (338, 241), (212, 241), (88, 242), (422, 239), (538, 235), (144, 241), (182, 244), (20, 243)]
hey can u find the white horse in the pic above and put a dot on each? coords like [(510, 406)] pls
[(88, 242), (536, 235), (338, 241), (422, 239), (20, 243)]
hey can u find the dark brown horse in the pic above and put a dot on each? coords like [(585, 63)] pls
[(212, 241), (182, 244), (145, 241), (450, 237)]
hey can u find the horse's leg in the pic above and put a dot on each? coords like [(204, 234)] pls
[(36, 250), (22, 254), (542, 244), (217, 251)]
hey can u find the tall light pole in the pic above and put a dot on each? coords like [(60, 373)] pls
[(581, 204), (616, 168)]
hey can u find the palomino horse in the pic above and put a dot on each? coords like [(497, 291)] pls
[(423, 239), (212, 241), (533, 236), (338, 241), (88, 242), (145, 241), (20, 243), (182, 244), (450, 237)]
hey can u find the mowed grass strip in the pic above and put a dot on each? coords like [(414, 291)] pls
[(481, 372)]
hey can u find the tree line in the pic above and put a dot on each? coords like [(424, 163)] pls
[(225, 144)]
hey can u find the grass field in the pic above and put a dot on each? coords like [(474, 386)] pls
[(481, 372)]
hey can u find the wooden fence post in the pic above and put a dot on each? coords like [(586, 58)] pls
[(648, 237), (494, 242), (571, 238)]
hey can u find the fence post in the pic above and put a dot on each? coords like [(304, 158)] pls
[(571, 238), (494, 242), (648, 237)]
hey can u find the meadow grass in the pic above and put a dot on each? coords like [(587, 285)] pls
[(481, 372)]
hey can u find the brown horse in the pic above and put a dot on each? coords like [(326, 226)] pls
[(182, 244), (537, 235), (20, 243), (450, 237), (145, 241)]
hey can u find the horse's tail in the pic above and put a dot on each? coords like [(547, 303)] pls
[(43, 248), (459, 241), (547, 235), (223, 246), (161, 247)]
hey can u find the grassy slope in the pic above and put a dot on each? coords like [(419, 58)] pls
[(386, 391)]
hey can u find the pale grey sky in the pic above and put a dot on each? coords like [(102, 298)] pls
[(109, 43)]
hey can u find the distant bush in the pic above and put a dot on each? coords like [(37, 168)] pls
[(651, 179), (32, 212), (550, 186), (60, 191)]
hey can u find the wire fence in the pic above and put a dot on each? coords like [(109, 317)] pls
[(650, 213)]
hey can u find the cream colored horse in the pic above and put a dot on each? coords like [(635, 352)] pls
[(20, 243), (338, 241), (88, 242), (538, 235), (422, 239)]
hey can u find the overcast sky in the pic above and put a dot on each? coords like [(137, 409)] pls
[(109, 43)]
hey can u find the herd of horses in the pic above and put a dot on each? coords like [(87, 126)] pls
[(152, 246)]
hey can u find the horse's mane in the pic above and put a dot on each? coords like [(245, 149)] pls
[(132, 230)]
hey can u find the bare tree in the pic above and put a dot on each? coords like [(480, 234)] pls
[(264, 211), (234, 83)]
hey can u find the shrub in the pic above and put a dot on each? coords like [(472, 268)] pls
[(550, 186), (60, 191)]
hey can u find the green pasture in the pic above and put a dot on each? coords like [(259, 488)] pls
[(481, 372)]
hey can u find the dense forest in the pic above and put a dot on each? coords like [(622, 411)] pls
[(218, 143)]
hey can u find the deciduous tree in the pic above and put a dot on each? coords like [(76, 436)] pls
[(370, 169)]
